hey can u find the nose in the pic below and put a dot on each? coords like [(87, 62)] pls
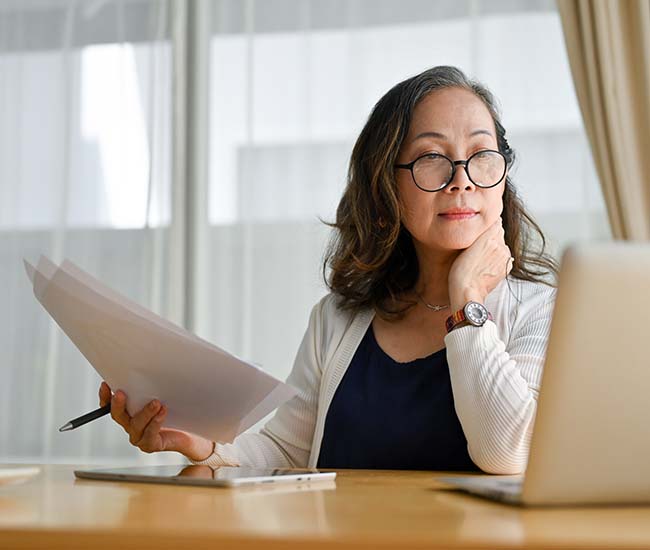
[(460, 180)]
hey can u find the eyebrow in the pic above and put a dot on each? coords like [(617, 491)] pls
[(438, 135)]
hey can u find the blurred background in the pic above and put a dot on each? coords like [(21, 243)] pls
[(182, 152)]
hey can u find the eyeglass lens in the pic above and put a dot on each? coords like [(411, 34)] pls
[(433, 172)]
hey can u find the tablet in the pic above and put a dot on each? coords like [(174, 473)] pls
[(225, 476)]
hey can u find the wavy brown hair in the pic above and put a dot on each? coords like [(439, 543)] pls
[(371, 257)]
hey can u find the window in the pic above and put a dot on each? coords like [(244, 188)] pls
[(292, 84), (88, 132)]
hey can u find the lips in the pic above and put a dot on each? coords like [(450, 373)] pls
[(458, 213)]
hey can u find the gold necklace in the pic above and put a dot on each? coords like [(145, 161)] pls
[(430, 306)]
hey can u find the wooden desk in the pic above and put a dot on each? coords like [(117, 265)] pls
[(366, 509)]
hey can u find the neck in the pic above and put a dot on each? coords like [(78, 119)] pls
[(433, 280)]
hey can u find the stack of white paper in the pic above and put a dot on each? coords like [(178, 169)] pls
[(207, 390)]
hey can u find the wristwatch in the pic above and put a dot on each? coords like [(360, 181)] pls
[(473, 313)]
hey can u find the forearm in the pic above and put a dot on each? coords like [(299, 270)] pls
[(494, 402), (256, 450)]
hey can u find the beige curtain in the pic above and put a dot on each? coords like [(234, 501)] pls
[(608, 42)]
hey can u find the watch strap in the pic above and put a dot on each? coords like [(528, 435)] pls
[(459, 317)]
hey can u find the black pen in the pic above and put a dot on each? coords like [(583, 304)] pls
[(88, 417)]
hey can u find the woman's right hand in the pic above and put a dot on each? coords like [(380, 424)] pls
[(144, 428)]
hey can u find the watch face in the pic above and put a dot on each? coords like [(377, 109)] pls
[(476, 313)]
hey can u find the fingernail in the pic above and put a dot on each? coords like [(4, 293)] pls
[(153, 405)]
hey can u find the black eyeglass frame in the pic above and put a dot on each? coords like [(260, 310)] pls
[(454, 164)]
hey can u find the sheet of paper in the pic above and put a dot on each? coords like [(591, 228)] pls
[(207, 390), (109, 293), (47, 268)]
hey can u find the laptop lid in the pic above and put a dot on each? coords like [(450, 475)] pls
[(591, 440)]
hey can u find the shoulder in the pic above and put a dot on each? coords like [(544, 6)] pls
[(518, 294), (534, 292), (519, 306), (330, 324), (329, 315)]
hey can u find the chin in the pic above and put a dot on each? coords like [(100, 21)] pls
[(457, 242), (459, 246)]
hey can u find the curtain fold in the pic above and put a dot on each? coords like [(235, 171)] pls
[(608, 44)]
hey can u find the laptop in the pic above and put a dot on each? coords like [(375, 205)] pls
[(591, 437)]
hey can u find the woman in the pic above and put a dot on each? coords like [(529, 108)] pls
[(428, 352)]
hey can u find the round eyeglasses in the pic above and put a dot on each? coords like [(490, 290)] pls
[(433, 171)]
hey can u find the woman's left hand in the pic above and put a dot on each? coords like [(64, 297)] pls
[(480, 267)]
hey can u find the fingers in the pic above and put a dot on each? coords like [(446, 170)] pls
[(151, 441), (498, 223), (498, 256), (118, 410), (141, 419), (104, 394), (499, 227), (494, 232), (510, 261), (144, 427)]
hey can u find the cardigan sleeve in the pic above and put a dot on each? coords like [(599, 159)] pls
[(285, 441), (495, 388)]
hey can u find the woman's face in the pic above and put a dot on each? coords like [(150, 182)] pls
[(455, 123)]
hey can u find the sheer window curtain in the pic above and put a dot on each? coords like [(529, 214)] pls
[(85, 173), (292, 83)]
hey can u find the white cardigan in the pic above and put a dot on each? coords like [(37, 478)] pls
[(495, 375)]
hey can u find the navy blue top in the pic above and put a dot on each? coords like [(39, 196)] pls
[(394, 416)]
